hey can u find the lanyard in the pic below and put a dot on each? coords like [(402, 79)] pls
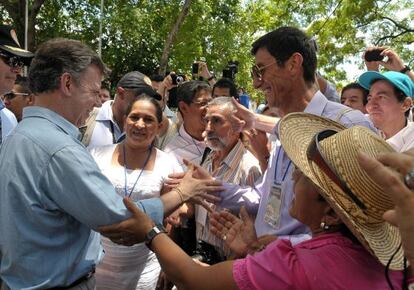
[(139, 175), (276, 165)]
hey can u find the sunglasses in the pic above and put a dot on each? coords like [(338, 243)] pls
[(12, 95), (12, 61), (315, 154), (257, 72)]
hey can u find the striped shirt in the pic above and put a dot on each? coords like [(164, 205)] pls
[(239, 167)]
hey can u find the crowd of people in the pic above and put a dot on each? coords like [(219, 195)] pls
[(314, 190)]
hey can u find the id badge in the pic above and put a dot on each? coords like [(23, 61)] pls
[(272, 214)]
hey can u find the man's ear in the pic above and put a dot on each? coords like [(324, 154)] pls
[(407, 104), (66, 84), (183, 107), (294, 63), (120, 93), (30, 100)]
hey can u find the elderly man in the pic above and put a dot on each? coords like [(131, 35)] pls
[(105, 125), (229, 161), (52, 193), (192, 98), (12, 60), (19, 97)]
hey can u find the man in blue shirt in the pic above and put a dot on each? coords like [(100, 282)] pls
[(51, 191)]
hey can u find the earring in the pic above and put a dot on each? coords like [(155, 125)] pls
[(324, 226)]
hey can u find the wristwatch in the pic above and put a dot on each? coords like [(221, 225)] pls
[(405, 69), (155, 231)]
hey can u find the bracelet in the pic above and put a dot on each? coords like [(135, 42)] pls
[(180, 193), (405, 69), (212, 77)]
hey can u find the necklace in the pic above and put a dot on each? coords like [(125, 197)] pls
[(139, 175)]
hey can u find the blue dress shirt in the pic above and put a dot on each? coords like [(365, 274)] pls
[(52, 194)]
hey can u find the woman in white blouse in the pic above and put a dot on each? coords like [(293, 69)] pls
[(137, 169)]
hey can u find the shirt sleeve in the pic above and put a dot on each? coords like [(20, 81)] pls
[(235, 196), (276, 267), (74, 183)]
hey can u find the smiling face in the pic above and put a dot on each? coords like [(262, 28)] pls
[(275, 82), (141, 124), (383, 106)]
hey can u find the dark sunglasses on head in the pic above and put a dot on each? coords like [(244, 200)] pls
[(12, 61), (315, 154), (12, 95)]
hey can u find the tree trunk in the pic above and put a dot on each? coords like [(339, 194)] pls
[(171, 37), (16, 10)]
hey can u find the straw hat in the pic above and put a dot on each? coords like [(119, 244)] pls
[(297, 131)]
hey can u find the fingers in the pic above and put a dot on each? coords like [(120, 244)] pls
[(131, 206), (210, 198), (403, 163), (244, 215)]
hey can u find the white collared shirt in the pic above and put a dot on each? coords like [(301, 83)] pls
[(404, 139), (103, 133), (8, 121), (183, 146)]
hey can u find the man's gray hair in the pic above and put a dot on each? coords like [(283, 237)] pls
[(223, 103), (58, 56)]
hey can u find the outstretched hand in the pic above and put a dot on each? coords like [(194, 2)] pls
[(237, 233), (130, 231)]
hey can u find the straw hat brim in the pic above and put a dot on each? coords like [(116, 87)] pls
[(297, 131)]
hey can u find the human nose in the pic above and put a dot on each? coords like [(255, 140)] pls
[(140, 123)]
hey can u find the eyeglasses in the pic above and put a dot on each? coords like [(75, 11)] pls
[(315, 154), (12, 95), (12, 61), (257, 72), (201, 103)]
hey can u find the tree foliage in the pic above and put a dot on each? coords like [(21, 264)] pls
[(135, 31)]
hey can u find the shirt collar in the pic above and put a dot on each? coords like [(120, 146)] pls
[(2, 106), (315, 106), (51, 116), (105, 112), (183, 133), (232, 159)]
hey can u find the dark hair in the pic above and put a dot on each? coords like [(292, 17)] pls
[(358, 87), (187, 91), (283, 42), (226, 83), (144, 97), (157, 78), (23, 82), (58, 56), (399, 94)]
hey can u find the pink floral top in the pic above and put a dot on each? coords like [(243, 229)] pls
[(330, 261)]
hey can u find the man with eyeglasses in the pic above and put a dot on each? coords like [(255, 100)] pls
[(19, 97), (284, 70), (12, 60)]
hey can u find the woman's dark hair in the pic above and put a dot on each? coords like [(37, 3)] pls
[(144, 97)]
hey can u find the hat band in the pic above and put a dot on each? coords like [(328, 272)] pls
[(315, 154)]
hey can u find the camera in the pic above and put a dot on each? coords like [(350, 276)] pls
[(231, 70), (374, 55), (196, 68), (177, 79)]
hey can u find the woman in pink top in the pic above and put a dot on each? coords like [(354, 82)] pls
[(351, 243)]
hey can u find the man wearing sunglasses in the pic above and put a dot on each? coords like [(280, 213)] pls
[(19, 97), (284, 70), (12, 60)]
